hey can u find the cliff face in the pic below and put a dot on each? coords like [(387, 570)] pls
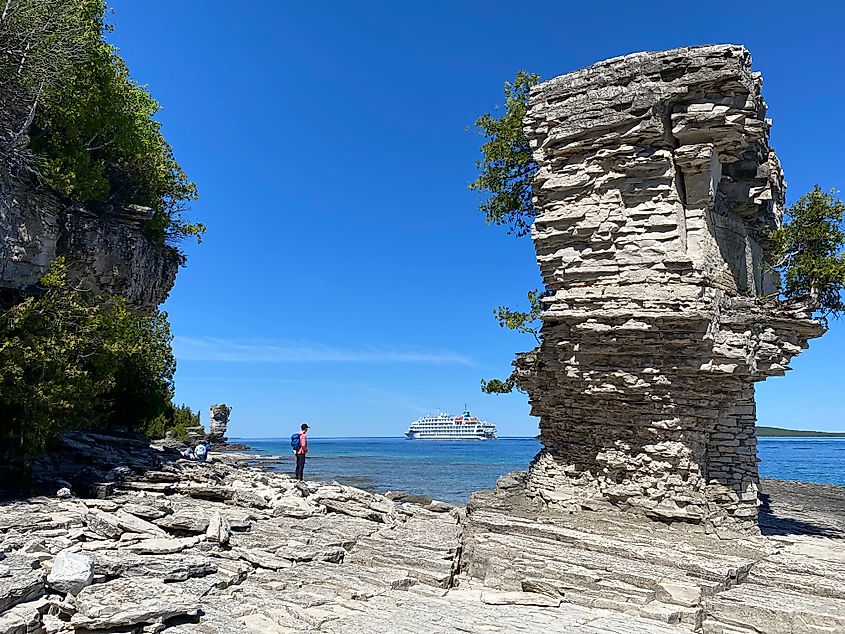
[(655, 187), (107, 253)]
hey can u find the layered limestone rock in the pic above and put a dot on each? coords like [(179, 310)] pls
[(218, 421), (655, 187), (741, 584), (108, 253), (221, 547)]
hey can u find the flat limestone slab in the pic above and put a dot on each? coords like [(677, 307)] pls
[(408, 613), (126, 602)]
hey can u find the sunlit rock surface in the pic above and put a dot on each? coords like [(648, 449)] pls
[(108, 253), (219, 547), (656, 186)]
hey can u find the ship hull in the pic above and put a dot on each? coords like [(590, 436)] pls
[(445, 427), (415, 436)]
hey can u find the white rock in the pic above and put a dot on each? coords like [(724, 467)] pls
[(292, 506), (71, 572), (494, 597), (219, 530), (124, 602), (162, 546)]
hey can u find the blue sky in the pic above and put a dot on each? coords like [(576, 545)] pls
[(347, 278)]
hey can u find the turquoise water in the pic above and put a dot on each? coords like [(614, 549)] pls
[(451, 470)]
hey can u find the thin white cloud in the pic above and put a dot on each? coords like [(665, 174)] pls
[(189, 348)]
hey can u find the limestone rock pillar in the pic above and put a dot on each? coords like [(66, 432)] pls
[(655, 188), (219, 420)]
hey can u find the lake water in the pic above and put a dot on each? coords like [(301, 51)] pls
[(451, 470)]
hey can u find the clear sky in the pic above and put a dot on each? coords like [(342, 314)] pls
[(347, 278)]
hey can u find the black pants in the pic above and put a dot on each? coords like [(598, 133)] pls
[(300, 465)]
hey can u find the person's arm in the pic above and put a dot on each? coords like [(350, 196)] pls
[(304, 443)]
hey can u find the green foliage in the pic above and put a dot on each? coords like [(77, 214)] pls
[(522, 322), (809, 252), (68, 363), (497, 386), (525, 322), (40, 43), (96, 138), (143, 383), (507, 166), (505, 172), (176, 420), (226, 409), (182, 419)]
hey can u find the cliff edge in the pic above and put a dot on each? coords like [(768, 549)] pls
[(107, 252)]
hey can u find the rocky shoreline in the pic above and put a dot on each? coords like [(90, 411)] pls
[(165, 544)]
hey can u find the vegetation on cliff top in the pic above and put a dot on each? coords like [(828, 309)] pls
[(73, 121), (91, 129)]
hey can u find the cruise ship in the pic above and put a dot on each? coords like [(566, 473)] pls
[(446, 427)]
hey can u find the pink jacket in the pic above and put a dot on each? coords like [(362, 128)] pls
[(303, 443)]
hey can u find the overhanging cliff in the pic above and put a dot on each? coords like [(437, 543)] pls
[(108, 253)]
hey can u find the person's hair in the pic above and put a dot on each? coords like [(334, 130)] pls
[(303, 427)]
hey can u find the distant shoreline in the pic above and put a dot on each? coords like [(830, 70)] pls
[(770, 432)]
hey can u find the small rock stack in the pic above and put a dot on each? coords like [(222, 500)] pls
[(656, 186), (219, 420)]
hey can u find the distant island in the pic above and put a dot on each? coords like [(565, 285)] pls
[(777, 431)]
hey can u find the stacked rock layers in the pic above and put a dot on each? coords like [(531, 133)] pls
[(218, 422), (655, 188), (107, 253)]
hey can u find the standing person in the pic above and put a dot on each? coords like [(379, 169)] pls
[(299, 442)]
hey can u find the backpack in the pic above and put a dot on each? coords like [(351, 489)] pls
[(295, 442)]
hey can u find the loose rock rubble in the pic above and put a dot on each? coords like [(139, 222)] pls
[(221, 547), (152, 557)]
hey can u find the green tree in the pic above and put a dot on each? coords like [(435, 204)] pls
[(176, 420), (41, 41), (527, 322), (808, 251), (90, 129), (506, 169), (522, 322), (141, 364), (507, 166), (100, 145), (68, 362)]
